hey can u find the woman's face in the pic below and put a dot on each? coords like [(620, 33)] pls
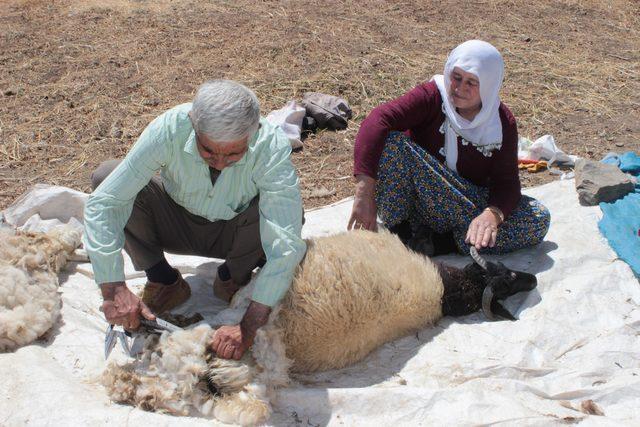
[(465, 90)]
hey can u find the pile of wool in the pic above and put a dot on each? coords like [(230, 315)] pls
[(177, 375), (29, 299), (168, 377)]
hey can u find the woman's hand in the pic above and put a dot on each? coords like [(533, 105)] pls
[(483, 230), (123, 307), (363, 213)]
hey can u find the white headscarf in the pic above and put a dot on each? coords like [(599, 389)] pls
[(485, 131)]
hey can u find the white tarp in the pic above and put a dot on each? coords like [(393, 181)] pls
[(578, 339)]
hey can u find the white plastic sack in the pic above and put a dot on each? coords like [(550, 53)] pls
[(289, 118), (45, 206), (544, 148), (37, 224)]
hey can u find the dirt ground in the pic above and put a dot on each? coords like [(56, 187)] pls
[(80, 79)]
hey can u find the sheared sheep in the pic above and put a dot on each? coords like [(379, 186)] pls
[(352, 293), (29, 300)]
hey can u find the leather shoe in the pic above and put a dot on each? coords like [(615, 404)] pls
[(160, 297), (224, 289)]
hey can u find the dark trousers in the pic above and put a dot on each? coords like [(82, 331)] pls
[(158, 224)]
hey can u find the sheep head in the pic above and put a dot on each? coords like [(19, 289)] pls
[(500, 283)]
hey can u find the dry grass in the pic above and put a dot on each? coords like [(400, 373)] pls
[(79, 80)]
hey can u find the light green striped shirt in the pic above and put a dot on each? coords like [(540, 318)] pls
[(168, 145)]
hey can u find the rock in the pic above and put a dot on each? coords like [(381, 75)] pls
[(600, 182), (116, 131)]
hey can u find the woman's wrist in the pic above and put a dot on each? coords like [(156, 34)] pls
[(496, 212), (365, 186)]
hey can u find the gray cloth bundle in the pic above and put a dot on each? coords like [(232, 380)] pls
[(329, 111)]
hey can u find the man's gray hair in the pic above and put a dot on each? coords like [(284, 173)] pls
[(225, 111)]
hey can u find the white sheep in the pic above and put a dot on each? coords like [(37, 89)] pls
[(352, 293), (29, 299)]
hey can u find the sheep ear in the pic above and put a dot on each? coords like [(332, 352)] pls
[(491, 307), (499, 309)]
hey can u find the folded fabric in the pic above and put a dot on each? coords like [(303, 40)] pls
[(630, 163), (532, 165), (329, 111), (620, 222)]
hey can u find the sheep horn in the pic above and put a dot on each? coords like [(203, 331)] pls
[(477, 258), (487, 299)]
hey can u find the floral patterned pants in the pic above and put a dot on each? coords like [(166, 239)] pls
[(415, 186)]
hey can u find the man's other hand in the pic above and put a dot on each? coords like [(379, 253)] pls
[(230, 342)]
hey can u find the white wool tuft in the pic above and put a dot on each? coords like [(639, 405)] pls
[(270, 354), (29, 300), (247, 408)]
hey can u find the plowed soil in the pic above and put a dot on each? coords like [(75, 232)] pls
[(79, 80)]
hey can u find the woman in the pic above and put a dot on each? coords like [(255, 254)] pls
[(454, 170)]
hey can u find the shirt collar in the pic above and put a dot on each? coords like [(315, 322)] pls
[(191, 147)]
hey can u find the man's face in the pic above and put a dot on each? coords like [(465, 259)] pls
[(219, 155)]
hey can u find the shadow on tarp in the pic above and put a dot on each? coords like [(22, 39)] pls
[(50, 336), (382, 365), (532, 260)]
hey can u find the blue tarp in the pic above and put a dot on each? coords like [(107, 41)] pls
[(620, 222)]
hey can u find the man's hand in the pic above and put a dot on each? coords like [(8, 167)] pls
[(483, 230), (230, 342), (363, 213), (123, 307)]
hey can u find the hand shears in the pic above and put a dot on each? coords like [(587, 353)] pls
[(132, 342)]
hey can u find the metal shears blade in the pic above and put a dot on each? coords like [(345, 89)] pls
[(109, 341), (133, 342), (159, 325)]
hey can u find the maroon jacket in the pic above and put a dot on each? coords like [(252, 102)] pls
[(419, 114)]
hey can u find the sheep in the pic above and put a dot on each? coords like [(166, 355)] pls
[(351, 293), (29, 299)]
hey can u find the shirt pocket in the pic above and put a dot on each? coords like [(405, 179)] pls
[(190, 182)]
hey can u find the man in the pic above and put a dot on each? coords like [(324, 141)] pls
[(227, 189)]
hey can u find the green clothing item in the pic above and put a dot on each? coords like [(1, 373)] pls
[(168, 145)]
